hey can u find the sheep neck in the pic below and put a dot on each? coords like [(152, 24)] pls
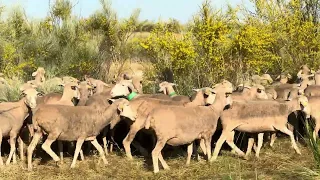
[(24, 105), (66, 97), (132, 95), (292, 106), (218, 105), (170, 91), (198, 100), (107, 114)]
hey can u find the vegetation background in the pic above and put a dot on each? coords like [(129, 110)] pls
[(280, 36)]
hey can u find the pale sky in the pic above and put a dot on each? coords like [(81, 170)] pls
[(150, 9)]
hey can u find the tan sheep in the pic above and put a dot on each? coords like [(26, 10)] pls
[(75, 123), (12, 118), (256, 117), (167, 89), (178, 125)]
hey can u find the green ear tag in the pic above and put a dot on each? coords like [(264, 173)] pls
[(131, 96)]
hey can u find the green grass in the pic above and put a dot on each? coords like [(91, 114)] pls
[(281, 162)]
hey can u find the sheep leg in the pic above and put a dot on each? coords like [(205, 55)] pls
[(208, 146), (60, 147), (195, 149), (190, 148), (20, 142), (104, 140), (81, 155), (31, 130), (155, 154), (232, 145), (164, 164), (273, 138), (260, 141), (249, 148), (99, 148), (46, 146), (315, 132), (76, 153), (1, 161), (112, 140), (12, 148), (32, 146), (14, 157), (128, 140), (218, 146), (293, 142), (203, 146)]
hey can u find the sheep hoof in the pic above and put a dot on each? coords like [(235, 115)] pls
[(129, 157), (233, 151), (59, 163), (155, 171), (213, 158), (29, 168)]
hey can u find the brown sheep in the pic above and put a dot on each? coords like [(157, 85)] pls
[(256, 117), (75, 123), (178, 125), (12, 117), (167, 89), (144, 105)]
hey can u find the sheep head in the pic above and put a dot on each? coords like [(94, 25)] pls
[(71, 90), (125, 109), (30, 96), (39, 74), (123, 88)]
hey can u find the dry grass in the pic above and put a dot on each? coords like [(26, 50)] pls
[(278, 163)]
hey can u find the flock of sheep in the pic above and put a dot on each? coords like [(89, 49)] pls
[(257, 106)]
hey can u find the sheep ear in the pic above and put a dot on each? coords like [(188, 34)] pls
[(23, 94), (173, 84), (40, 94), (196, 90), (34, 73), (278, 77), (89, 87), (111, 100), (120, 107)]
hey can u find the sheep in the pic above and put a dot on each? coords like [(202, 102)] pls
[(283, 79), (312, 90), (75, 123), (12, 117), (144, 105), (39, 77), (68, 79), (126, 88), (256, 117), (178, 125), (314, 105), (98, 85), (70, 91), (167, 88), (249, 93), (85, 92)]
